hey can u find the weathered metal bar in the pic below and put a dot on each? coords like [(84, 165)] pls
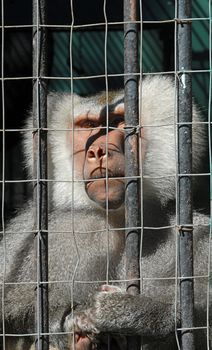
[(185, 217), (40, 196), (132, 195)]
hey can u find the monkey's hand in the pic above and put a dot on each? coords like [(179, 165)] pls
[(85, 333), (116, 312), (83, 342), (82, 322)]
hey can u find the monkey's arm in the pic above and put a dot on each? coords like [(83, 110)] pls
[(121, 313)]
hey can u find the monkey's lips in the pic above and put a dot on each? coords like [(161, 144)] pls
[(103, 191)]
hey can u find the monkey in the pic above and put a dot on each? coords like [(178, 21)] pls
[(86, 242)]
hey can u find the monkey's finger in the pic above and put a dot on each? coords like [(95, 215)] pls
[(81, 323), (82, 342), (110, 289)]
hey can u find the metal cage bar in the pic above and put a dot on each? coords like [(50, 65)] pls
[(3, 170), (209, 340), (185, 214), (132, 195), (40, 196)]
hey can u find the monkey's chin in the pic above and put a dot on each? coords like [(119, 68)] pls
[(101, 193)]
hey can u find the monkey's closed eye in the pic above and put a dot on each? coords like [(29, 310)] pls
[(116, 121), (87, 124)]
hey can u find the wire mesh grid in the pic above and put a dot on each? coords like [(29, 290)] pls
[(70, 221)]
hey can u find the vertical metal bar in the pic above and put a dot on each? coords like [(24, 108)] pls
[(40, 196), (185, 217), (209, 290), (132, 196), (3, 172)]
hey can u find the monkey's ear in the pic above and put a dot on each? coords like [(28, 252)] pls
[(119, 109)]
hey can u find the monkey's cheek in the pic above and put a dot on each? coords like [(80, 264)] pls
[(101, 193)]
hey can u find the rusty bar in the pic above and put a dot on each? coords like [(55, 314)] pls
[(132, 195), (185, 215), (40, 196)]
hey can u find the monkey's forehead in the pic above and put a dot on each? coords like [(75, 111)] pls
[(110, 98), (99, 102)]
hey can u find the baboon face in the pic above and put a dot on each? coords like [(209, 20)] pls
[(99, 156)]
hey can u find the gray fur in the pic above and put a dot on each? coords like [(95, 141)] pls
[(78, 250)]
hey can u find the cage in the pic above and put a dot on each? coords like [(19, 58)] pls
[(61, 252)]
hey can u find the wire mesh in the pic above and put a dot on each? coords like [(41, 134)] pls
[(68, 221)]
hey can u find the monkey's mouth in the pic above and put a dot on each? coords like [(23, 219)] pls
[(104, 173), (106, 189)]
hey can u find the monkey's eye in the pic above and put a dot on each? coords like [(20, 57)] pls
[(116, 121), (87, 124)]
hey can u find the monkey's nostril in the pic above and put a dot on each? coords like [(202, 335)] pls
[(100, 153), (96, 153), (91, 153)]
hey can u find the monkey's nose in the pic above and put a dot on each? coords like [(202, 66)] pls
[(96, 153)]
